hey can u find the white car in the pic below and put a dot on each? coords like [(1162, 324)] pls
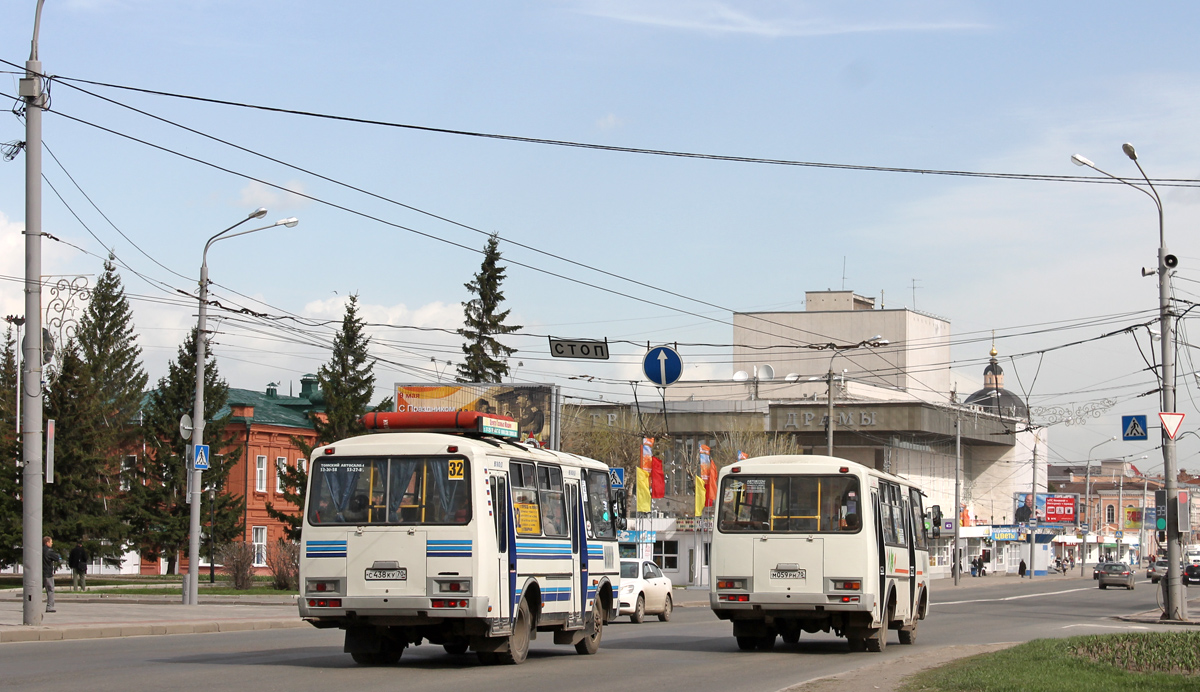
[(644, 589)]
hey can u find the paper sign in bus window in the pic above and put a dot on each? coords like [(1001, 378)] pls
[(454, 470), (529, 520)]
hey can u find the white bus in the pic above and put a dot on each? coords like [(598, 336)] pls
[(817, 543), (462, 538)]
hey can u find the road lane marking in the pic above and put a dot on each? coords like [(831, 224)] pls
[(1011, 598), (1109, 627)]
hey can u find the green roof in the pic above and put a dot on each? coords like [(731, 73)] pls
[(287, 411)]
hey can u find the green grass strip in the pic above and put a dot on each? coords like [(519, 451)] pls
[(1092, 663)]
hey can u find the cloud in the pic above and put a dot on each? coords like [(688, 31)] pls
[(720, 18), (609, 122), (255, 194)]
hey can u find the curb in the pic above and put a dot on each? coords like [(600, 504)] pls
[(47, 634)]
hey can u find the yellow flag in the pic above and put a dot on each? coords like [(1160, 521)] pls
[(700, 499), (643, 490)]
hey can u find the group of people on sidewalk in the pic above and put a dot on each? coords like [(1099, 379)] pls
[(77, 560)]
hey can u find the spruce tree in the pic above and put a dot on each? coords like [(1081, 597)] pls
[(347, 382), (108, 344), (78, 505), (156, 506), (10, 449), (486, 359)]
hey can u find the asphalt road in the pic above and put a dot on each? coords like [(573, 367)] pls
[(694, 651)]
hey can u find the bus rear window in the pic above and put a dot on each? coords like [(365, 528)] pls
[(391, 490), (806, 504)]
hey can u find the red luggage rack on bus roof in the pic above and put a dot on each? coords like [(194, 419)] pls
[(453, 422)]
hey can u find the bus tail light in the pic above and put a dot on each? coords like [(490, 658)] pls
[(324, 603), (849, 599), (734, 597), (325, 586), (731, 584), (454, 586), (444, 603), (847, 585)]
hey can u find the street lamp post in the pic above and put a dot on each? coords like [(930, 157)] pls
[(1088, 502), (31, 368), (1175, 597), (873, 342), (198, 408)]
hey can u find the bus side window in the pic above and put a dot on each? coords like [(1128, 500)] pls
[(526, 512)]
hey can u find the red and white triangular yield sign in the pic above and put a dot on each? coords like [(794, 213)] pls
[(1171, 423)]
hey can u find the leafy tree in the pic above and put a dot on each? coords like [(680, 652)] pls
[(108, 344), (347, 382), (486, 359), (156, 506), (78, 506), (10, 449)]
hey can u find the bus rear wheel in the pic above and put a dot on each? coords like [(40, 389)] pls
[(877, 640), (591, 643), (518, 641), (747, 643), (908, 634)]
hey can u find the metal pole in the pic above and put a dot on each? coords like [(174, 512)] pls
[(197, 439), (1033, 529), (31, 388), (957, 564), (212, 535), (1175, 603), (1088, 505), (829, 413), (1121, 509)]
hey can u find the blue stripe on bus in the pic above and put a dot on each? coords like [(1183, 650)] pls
[(448, 548), (325, 549)]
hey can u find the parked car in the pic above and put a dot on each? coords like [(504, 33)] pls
[(1191, 573), (1157, 570), (644, 589), (1116, 574)]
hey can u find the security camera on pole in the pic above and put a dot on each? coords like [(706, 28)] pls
[(194, 485)]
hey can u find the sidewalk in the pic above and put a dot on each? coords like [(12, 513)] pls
[(92, 616)]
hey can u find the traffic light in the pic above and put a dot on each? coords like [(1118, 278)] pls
[(935, 516), (1161, 536)]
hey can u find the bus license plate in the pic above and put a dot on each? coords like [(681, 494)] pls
[(787, 574), (387, 574)]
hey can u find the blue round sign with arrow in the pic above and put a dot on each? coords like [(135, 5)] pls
[(662, 365)]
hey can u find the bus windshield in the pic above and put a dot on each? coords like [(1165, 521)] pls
[(389, 490), (808, 504)]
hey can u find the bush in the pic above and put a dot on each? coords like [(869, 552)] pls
[(238, 559), (283, 559)]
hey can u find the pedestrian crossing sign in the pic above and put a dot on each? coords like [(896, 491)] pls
[(201, 459), (1133, 428)]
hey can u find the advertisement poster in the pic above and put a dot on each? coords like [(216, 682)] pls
[(533, 406), (1046, 508), (1133, 519)]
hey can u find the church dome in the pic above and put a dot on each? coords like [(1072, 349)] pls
[(994, 397)]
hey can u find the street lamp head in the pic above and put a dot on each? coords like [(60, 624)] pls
[(258, 213), (289, 222), (1080, 160), (1129, 151)]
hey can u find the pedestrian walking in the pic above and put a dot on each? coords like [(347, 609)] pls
[(50, 560), (78, 562), (1021, 569)]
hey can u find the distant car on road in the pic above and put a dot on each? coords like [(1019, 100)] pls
[(1116, 574), (1098, 568), (644, 589), (1191, 573), (1157, 570)]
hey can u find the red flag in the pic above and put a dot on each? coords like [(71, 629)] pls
[(658, 481), (708, 472)]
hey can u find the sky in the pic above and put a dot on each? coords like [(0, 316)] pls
[(631, 247)]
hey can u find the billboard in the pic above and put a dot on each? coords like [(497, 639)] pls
[(535, 407), (1133, 519), (1046, 508)]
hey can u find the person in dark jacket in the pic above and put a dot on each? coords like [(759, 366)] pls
[(78, 562), (1021, 569), (50, 560)]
